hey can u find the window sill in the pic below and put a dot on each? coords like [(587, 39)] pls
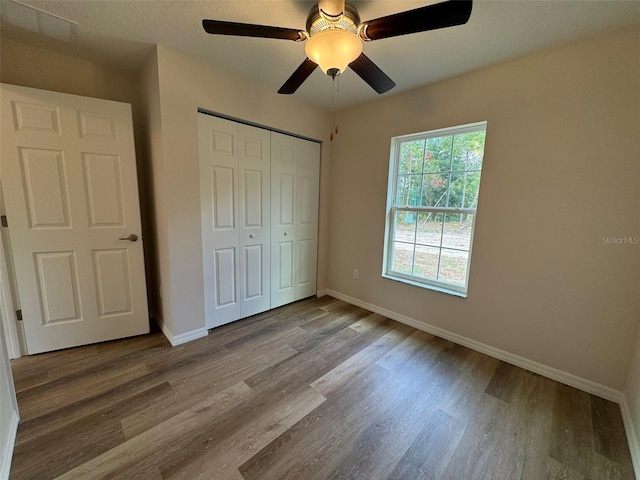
[(435, 288)]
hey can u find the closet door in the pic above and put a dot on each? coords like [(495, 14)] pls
[(219, 209), (255, 202), (307, 193), (295, 165), (235, 204)]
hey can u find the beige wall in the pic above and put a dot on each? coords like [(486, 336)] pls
[(561, 171), (186, 85), (152, 158), (35, 67), (632, 396)]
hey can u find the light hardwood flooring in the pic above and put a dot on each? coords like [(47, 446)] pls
[(319, 389)]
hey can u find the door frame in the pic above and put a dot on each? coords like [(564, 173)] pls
[(14, 336)]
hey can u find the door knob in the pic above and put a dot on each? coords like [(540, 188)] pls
[(132, 238), (251, 235), (285, 234)]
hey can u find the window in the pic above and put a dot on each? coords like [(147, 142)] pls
[(434, 179)]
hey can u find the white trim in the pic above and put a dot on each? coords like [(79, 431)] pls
[(323, 292), (632, 435), (7, 281), (176, 340), (7, 449), (544, 370)]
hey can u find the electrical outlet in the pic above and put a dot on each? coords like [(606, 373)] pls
[(356, 274)]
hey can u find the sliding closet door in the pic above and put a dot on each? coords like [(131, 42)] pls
[(307, 192), (295, 165), (219, 207), (235, 199), (255, 203)]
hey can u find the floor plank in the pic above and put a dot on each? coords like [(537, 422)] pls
[(319, 389)]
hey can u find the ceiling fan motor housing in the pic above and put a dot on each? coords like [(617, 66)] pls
[(348, 21)]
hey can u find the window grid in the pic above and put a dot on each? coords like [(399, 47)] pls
[(453, 252)]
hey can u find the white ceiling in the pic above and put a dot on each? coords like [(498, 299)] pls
[(120, 33)]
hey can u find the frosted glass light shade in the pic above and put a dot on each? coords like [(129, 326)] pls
[(333, 48)]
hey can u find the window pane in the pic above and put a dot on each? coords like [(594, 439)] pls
[(402, 257), (426, 262), (411, 156), (472, 189), (453, 266), (409, 190), (405, 227), (430, 229), (468, 149), (434, 192), (463, 189), (457, 231), (437, 157), (415, 190), (402, 196)]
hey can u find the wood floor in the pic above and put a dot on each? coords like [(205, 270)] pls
[(319, 389)]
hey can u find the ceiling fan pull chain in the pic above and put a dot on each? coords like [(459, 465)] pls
[(333, 95), (337, 104)]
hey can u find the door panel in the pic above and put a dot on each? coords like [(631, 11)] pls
[(253, 287), (71, 195), (97, 125), (45, 180), (58, 285), (252, 199), (223, 198), (225, 277), (285, 199), (235, 212), (113, 280), (103, 179), (36, 116)]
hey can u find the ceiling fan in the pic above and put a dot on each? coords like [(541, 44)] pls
[(334, 36)]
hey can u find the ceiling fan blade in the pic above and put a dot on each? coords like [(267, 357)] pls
[(331, 8), (371, 73), (218, 27), (299, 76), (431, 17)]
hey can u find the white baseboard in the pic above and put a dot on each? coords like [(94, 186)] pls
[(322, 293), (176, 340), (544, 370), (632, 435), (7, 449)]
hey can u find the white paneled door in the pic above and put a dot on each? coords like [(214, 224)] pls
[(295, 173), (235, 203), (68, 173)]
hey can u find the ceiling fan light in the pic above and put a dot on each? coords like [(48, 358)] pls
[(333, 48)]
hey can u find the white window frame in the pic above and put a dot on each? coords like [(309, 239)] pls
[(394, 166)]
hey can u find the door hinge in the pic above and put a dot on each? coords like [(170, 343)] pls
[(19, 315), (3, 221)]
